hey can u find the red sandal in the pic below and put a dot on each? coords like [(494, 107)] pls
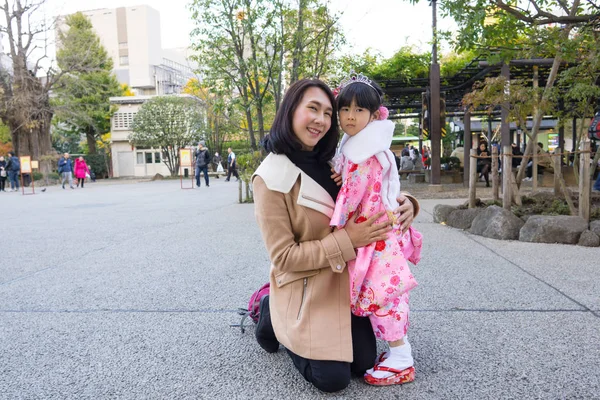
[(400, 376)]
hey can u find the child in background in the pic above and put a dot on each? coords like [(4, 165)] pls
[(380, 277)]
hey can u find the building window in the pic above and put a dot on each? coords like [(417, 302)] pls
[(124, 60), (157, 157), (123, 120), (123, 45), (140, 157), (148, 158)]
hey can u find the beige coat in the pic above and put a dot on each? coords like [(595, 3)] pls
[(310, 289)]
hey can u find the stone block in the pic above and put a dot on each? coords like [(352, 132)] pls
[(416, 178), (463, 219), (497, 223), (589, 239), (553, 229), (595, 227), (441, 212)]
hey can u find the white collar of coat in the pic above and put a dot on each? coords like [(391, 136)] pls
[(375, 138), (280, 175)]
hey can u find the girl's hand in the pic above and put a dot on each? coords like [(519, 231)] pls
[(367, 232), (336, 177), (405, 213)]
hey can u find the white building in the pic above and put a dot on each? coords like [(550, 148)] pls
[(127, 160), (132, 38)]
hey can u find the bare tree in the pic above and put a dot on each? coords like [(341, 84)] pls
[(24, 104)]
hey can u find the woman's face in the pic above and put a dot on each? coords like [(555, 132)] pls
[(312, 118), (80, 158), (482, 147)]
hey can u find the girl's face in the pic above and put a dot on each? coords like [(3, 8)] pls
[(312, 117), (354, 119), (80, 158), (482, 147)]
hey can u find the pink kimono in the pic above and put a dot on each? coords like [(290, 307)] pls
[(380, 277)]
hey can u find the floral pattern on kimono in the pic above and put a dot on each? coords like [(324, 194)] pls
[(380, 275)]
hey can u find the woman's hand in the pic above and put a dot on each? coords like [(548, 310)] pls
[(364, 233), (405, 213), (336, 177)]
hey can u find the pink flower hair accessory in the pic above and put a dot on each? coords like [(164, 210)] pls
[(383, 113)]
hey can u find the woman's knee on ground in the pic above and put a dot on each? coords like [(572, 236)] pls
[(328, 376)]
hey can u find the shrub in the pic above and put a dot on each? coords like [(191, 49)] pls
[(97, 163), (37, 176), (53, 175)]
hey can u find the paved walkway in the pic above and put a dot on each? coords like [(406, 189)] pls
[(120, 291)]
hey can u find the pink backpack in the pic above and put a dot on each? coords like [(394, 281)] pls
[(253, 306)]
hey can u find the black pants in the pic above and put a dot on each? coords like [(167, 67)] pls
[(231, 169), (332, 376), (80, 180), (484, 169), (2, 182)]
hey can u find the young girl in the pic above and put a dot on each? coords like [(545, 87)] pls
[(380, 278)]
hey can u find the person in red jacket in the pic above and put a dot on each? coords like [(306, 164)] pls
[(81, 169)]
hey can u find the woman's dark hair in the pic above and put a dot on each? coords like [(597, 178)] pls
[(282, 139), (369, 97)]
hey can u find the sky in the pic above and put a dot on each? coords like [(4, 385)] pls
[(383, 25)]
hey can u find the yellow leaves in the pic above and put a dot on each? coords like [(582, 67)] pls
[(127, 90)]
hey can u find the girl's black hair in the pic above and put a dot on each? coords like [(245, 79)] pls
[(282, 139), (368, 97)]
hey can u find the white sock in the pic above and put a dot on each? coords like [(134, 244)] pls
[(399, 358)]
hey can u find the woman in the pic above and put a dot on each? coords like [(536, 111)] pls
[(3, 174), (484, 164), (81, 169), (308, 310)]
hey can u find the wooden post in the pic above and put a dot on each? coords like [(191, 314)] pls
[(534, 168), (472, 178), (495, 176), (506, 174), (468, 145), (557, 170), (585, 183), (241, 199)]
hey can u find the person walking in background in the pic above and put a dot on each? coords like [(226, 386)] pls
[(218, 160), (81, 170), (65, 169), (202, 157), (3, 174), (13, 166), (231, 166)]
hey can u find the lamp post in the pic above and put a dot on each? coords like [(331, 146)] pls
[(434, 83)]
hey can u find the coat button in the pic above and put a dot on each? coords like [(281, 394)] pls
[(279, 281), (338, 267)]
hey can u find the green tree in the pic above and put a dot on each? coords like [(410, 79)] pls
[(245, 34), (405, 65), (81, 100), (168, 123), (222, 120), (509, 30)]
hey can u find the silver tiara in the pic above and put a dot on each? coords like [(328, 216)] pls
[(354, 77)]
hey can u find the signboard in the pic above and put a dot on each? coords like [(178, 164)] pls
[(35, 164), (185, 157), (25, 164)]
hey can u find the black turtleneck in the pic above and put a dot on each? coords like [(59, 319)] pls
[(309, 163)]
